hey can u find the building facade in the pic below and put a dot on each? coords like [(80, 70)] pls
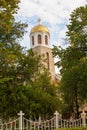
[(40, 43)]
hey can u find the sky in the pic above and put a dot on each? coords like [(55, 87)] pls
[(54, 14)]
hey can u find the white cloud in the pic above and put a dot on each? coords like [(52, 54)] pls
[(56, 13)]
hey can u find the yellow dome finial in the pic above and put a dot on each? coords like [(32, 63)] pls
[(39, 21), (39, 28)]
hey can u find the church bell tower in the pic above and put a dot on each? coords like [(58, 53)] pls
[(40, 43)]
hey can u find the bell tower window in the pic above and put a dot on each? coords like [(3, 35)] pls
[(39, 39), (47, 56), (32, 40), (46, 40)]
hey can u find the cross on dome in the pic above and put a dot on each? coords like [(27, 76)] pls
[(39, 21), (39, 28)]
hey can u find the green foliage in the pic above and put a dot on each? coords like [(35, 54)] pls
[(74, 72), (10, 30), (77, 28), (73, 63), (29, 66), (24, 83), (47, 99), (23, 87)]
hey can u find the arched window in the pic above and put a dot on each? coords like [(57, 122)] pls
[(47, 56), (46, 40), (39, 39), (32, 40)]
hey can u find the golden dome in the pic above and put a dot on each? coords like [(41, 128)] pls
[(39, 28)]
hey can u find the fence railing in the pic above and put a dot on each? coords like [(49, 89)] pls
[(62, 123), (56, 122)]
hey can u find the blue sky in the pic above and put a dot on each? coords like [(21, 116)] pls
[(53, 13)]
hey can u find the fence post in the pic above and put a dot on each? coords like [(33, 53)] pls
[(57, 119), (83, 116), (20, 119)]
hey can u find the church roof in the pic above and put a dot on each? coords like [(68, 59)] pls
[(39, 28)]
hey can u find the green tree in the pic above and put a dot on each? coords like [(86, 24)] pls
[(10, 53), (44, 99), (15, 75), (11, 31), (77, 28), (29, 66), (73, 62), (22, 85)]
